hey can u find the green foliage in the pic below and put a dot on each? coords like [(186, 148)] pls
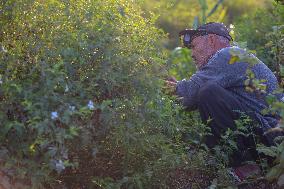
[(80, 93), (175, 16), (180, 64), (80, 80), (276, 48), (277, 152), (266, 38), (264, 35)]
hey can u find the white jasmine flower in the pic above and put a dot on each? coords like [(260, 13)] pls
[(59, 165), (91, 105), (95, 151), (72, 108), (3, 49), (66, 88), (54, 115)]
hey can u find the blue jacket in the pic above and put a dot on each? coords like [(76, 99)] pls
[(231, 76)]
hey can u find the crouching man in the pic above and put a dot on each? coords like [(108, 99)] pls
[(218, 88)]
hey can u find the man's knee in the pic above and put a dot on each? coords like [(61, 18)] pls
[(208, 91)]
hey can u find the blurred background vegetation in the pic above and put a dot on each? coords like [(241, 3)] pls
[(174, 16), (253, 25)]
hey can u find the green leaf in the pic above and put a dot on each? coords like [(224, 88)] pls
[(269, 151), (281, 159), (234, 59), (280, 181), (273, 173), (73, 131)]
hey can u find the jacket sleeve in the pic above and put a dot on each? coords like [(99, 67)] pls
[(188, 89)]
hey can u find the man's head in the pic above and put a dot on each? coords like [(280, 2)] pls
[(205, 41)]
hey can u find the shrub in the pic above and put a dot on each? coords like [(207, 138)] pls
[(80, 95), (264, 34)]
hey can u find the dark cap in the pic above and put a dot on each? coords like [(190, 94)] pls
[(209, 28)]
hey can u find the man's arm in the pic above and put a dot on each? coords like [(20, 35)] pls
[(188, 90)]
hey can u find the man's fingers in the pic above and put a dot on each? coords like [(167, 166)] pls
[(172, 79), (171, 83), (169, 87)]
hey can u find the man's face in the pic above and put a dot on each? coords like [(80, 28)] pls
[(201, 49)]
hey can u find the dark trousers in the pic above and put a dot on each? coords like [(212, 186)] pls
[(221, 108)]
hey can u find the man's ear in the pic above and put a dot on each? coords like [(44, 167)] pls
[(212, 39)]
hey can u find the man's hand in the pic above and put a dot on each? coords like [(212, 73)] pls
[(170, 86)]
